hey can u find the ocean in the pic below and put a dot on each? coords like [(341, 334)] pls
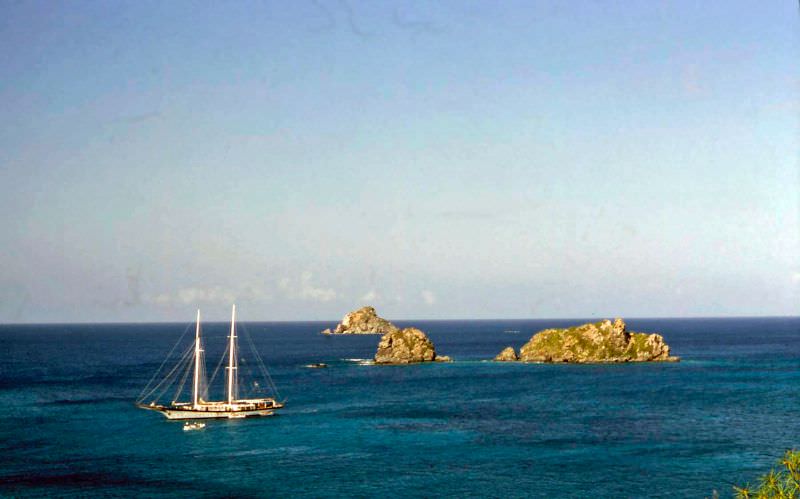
[(722, 415)]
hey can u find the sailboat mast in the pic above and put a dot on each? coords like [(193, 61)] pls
[(232, 356), (196, 383)]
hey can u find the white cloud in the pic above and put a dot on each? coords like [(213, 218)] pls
[(214, 294), (188, 296), (796, 277), (303, 289), (428, 297), (369, 295)]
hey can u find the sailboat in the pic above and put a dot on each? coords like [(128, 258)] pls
[(232, 407)]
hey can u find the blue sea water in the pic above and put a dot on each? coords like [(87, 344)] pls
[(723, 415)]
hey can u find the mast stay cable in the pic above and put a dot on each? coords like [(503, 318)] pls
[(183, 380), (260, 362), (141, 397), (184, 359), (219, 364)]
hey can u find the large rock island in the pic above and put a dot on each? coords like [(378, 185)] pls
[(363, 321), (602, 341), (407, 346)]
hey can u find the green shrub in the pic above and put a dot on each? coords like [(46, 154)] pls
[(781, 484)]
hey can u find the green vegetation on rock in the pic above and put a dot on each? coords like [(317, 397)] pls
[(602, 341), (780, 484)]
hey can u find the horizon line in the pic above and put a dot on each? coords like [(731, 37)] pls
[(326, 321)]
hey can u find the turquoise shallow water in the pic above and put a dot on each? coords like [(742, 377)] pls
[(470, 428)]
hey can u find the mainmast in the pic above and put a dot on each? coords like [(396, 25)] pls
[(232, 356), (196, 384)]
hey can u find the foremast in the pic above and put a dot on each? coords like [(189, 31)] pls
[(232, 364), (197, 351)]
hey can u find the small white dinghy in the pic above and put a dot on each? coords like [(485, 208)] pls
[(193, 426)]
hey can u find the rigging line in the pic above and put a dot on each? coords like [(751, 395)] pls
[(160, 395), (272, 384), (247, 365), (245, 368), (184, 358), (162, 365), (262, 366), (168, 376), (260, 363), (216, 370), (140, 398), (265, 373), (264, 370), (183, 381), (219, 364), (242, 375), (170, 380)]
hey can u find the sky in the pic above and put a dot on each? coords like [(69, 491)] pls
[(438, 160)]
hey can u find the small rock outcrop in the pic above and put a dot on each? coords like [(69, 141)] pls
[(598, 342), (363, 321), (507, 355), (407, 346)]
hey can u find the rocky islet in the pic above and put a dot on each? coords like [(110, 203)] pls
[(365, 320), (407, 346), (603, 341)]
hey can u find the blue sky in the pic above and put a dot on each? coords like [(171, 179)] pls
[(434, 159)]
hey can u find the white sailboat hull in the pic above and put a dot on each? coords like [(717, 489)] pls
[(240, 409), (189, 414)]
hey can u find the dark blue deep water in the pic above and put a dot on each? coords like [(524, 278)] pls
[(470, 428)]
